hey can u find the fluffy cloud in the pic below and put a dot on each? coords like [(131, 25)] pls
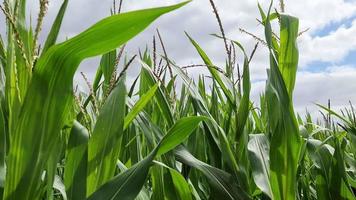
[(330, 48), (319, 13)]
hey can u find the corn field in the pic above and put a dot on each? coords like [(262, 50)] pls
[(165, 135)]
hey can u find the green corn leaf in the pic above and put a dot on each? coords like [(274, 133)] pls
[(179, 132), (103, 149), (131, 91), (242, 114), (222, 80), (49, 96), (145, 124), (288, 57), (75, 172), (180, 184), (161, 185), (335, 114), (218, 136), (51, 168), (140, 105), (223, 184), (258, 148), (54, 32), (3, 130), (128, 184), (339, 186), (351, 170), (96, 82), (244, 107), (148, 79), (285, 140), (321, 156)]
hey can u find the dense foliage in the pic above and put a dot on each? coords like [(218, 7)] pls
[(164, 136)]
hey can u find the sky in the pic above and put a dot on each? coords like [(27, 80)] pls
[(327, 65)]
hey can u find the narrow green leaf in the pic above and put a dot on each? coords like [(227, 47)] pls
[(214, 72), (288, 58), (178, 133), (149, 79), (142, 102), (128, 184), (244, 107), (224, 185), (3, 130), (106, 139), (75, 171), (54, 32), (181, 185)]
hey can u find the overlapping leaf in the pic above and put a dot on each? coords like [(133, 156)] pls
[(48, 99)]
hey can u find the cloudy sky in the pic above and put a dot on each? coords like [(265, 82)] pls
[(327, 66)]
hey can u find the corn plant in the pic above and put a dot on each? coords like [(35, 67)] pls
[(163, 136)]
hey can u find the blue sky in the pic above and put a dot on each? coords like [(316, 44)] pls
[(327, 66), (349, 59)]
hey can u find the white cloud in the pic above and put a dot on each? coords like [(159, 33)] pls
[(330, 48), (317, 14)]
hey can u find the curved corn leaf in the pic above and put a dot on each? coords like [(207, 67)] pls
[(223, 184), (321, 156), (223, 82), (180, 184), (128, 184), (258, 149), (178, 133), (49, 96)]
